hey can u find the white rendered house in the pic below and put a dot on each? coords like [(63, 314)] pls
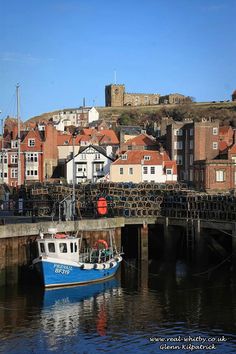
[(91, 164)]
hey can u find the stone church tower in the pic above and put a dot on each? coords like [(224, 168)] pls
[(114, 95)]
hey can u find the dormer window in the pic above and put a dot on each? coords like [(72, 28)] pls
[(14, 144), (31, 142), (147, 157), (66, 142), (124, 157)]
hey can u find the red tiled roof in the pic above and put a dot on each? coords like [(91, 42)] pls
[(224, 130), (232, 150), (142, 139), (108, 136), (66, 139), (62, 139), (222, 145), (87, 131), (105, 136), (136, 157)]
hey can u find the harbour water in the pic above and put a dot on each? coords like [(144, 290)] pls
[(136, 312)]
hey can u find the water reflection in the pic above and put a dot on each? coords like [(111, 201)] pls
[(145, 301), (67, 309)]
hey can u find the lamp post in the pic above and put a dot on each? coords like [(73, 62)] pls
[(74, 176)]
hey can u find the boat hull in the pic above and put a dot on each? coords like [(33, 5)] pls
[(55, 274)]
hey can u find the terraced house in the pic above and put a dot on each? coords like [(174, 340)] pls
[(143, 166)]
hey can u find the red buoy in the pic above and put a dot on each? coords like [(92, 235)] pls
[(102, 206)]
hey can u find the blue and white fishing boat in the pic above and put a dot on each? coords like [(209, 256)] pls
[(62, 261)]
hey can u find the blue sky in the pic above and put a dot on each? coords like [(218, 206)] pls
[(63, 50)]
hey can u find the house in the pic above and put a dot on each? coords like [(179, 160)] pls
[(106, 138), (91, 164), (140, 142), (38, 155), (78, 117), (218, 174), (143, 166), (189, 141)]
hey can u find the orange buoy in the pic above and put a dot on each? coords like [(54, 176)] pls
[(103, 242)]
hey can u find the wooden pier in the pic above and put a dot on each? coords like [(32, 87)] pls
[(17, 241)]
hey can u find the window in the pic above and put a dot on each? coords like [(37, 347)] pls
[(191, 175), (178, 132), (178, 145), (63, 247), (129, 147), (147, 157), (31, 142), (51, 247), (14, 144), (97, 156), (191, 159), (71, 247), (14, 173), (4, 158), (179, 159), (169, 171), (130, 170), (145, 170), (14, 158), (98, 167), (215, 145), (32, 157), (121, 171), (5, 174), (124, 157), (234, 160), (215, 131), (152, 170), (32, 172), (220, 176), (191, 132), (190, 144), (42, 248)]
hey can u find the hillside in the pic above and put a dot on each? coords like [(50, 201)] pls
[(225, 111)]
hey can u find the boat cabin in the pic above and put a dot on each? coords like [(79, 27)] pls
[(59, 246)]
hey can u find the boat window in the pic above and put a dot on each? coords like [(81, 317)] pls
[(51, 247), (75, 247), (63, 247), (42, 248), (71, 247)]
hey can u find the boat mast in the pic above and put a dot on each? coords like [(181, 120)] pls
[(18, 134)]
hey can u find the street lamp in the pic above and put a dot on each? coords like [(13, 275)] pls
[(74, 134)]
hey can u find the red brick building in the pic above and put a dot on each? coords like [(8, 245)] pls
[(216, 174), (190, 141), (38, 154)]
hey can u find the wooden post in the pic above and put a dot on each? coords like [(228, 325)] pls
[(12, 261), (118, 237), (234, 246), (143, 255), (169, 242), (201, 250), (143, 243)]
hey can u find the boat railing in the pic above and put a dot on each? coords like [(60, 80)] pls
[(94, 255)]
